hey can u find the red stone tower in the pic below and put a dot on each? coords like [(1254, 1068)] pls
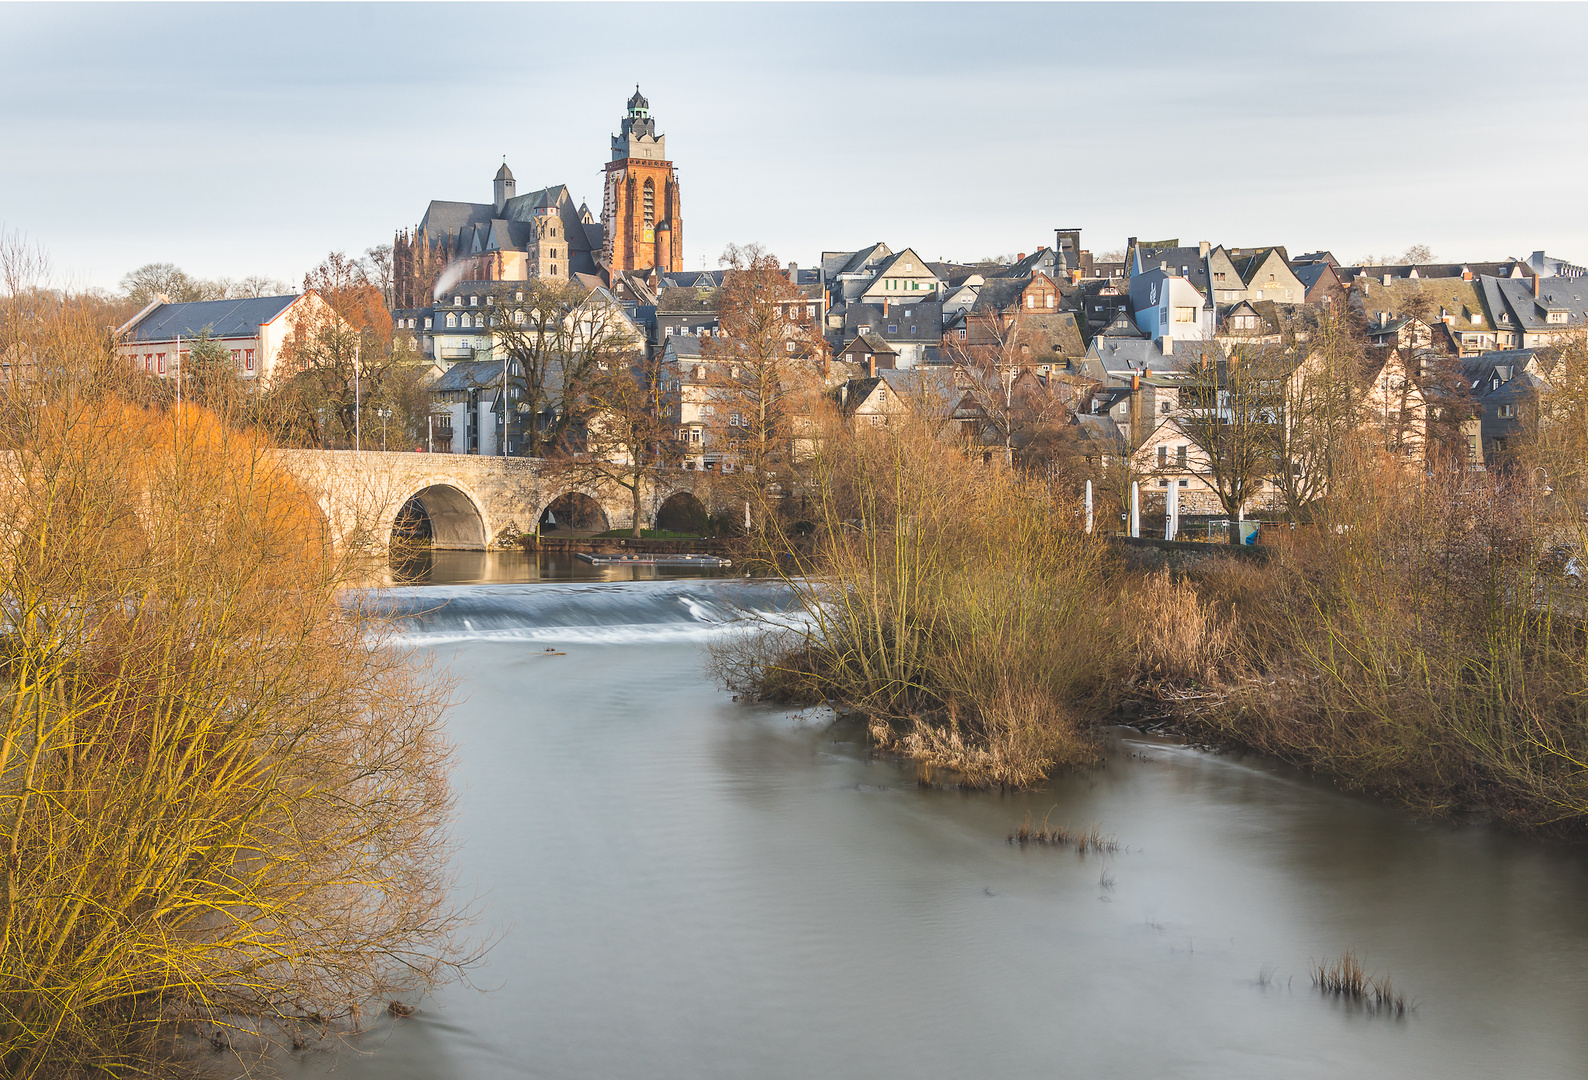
[(641, 213)]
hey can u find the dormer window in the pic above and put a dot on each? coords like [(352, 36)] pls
[(1555, 317), (457, 301), (474, 301), (490, 301), (452, 320)]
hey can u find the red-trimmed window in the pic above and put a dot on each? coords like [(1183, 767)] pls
[(248, 359), (159, 363)]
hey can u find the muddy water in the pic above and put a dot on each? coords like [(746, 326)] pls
[(690, 887)]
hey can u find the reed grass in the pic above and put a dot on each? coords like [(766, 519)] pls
[(1347, 978), (1088, 839)]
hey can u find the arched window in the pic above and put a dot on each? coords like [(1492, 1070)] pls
[(452, 320), (650, 204)]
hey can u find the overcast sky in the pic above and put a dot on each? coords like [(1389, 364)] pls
[(239, 139)]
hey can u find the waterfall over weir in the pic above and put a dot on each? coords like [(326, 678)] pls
[(594, 612)]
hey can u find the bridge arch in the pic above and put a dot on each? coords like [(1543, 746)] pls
[(682, 511), (452, 514), (576, 510)]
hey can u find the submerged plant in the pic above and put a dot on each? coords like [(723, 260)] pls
[(1348, 979)]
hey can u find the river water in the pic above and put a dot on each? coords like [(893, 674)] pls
[(691, 887)]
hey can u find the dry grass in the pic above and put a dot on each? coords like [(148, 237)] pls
[(1348, 979), (1088, 839)]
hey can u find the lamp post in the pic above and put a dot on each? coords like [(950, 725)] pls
[(384, 414)]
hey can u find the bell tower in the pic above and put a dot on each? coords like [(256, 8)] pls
[(641, 211)]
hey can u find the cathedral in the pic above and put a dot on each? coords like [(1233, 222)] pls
[(542, 234)]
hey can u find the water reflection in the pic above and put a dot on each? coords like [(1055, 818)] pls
[(425, 566), (697, 888)]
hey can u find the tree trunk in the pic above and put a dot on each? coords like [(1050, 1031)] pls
[(638, 519)]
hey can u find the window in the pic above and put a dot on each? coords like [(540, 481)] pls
[(790, 344), (1555, 317), (553, 269), (878, 421), (474, 301), (694, 435), (1184, 483), (700, 374), (1185, 314), (893, 328), (650, 203), (452, 320), (427, 322), (457, 301), (1031, 301), (1506, 412), (1180, 455), (1163, 456), (518, 296), (159, 363), (1050, 300), (237, 355), (1163, 406), (810, 311)]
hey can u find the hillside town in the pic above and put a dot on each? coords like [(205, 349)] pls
[(1139, 365)]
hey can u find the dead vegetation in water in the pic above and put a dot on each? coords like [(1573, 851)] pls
[(1348, 979), (1084, 840)]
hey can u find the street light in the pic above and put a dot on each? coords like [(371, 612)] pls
[(384, 414)]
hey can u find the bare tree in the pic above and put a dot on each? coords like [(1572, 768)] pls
[(630, 403), (764, 373), (1321, 411), (551, 335), (1232, 404)]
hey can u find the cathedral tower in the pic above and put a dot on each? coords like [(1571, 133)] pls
[(641, 213)]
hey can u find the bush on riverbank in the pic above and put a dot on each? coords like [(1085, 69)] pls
[(1411, 646), (221, 801), (963, 612)]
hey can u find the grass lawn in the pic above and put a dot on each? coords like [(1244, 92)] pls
[(650, 534)]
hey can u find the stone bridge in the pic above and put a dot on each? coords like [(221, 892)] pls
[(471, 501)]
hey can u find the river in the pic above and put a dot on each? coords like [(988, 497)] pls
[(687, 886)]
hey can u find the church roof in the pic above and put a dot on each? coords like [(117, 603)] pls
[(504, 173), (638, 100)]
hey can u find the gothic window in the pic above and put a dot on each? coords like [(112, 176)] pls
[(650, 204)]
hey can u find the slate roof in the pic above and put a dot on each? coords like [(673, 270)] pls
[(679, 300), (916, 321), (469, 375), (223, 318), (1309, 273), (1515, 295)]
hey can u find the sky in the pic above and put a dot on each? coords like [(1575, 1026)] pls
[(241, 139)]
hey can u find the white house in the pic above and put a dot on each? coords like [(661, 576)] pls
[(157, 339)]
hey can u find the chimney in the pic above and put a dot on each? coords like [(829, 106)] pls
[(1020, 256), (794, 273), (1535, 285), (871, 365), (1163, 265), (1202, 249)]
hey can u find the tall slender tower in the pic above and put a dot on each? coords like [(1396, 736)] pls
[(641, 213)]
